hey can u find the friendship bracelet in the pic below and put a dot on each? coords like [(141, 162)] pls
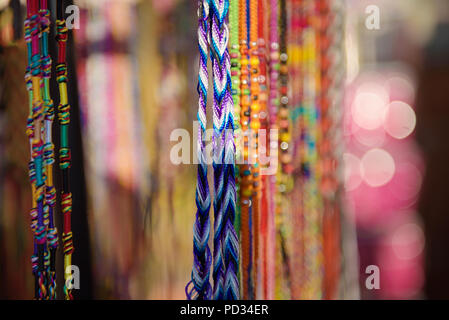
[(50, 192), (64, 151), (213, 14)]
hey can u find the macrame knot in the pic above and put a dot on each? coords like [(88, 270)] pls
[(39, 193), (50, 196), (67, 243), (48, 153), (61, 72), (34, 263), (46, 214), (62, 30), (34, 217), (52, 237), (33, 23), (46, 66), (30, 128), (27, 24), (66, 203), (38, 148), (47, 259), (37, 110), (50, 110), (41, 235), (64, 158), (64, 114), (45, 20), (28, 81)]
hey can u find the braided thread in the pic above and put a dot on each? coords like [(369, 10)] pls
[(230, 241), (219, 41), (202, 289), (225, 253)]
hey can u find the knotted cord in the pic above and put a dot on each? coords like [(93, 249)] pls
[(213, 14), (35, 130), (202, 289), (64, 151), (50, 191)]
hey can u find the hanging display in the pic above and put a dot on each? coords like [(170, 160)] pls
[(282, 58), (272, 73)]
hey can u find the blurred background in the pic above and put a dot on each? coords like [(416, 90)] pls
[(132, 75)]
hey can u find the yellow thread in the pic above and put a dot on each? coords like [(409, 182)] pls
[(63, 93)]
